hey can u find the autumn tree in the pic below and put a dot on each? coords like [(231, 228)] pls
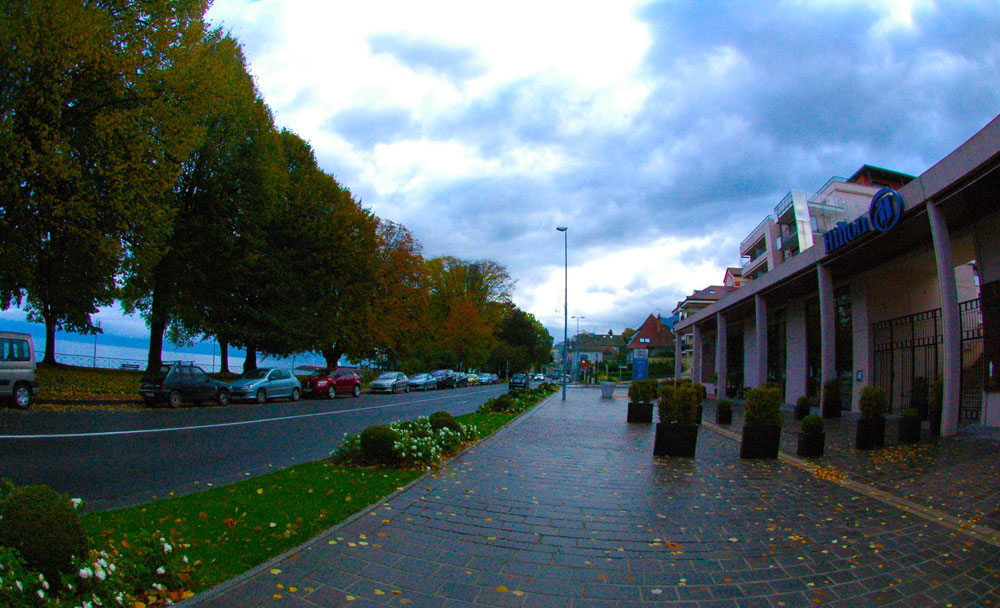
[(89, 127), (522, 342)]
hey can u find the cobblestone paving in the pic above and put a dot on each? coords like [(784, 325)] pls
[(568, 507)]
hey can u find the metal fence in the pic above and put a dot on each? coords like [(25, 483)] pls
[(81, 360)]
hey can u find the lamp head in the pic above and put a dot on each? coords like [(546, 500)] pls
[(561, 228)]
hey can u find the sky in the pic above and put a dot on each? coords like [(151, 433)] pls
[(659, 133)]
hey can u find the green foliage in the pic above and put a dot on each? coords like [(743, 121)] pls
[(643, 391), (724, 405), (443, 420), (937, 395), (802, 402), (377, 445), (873, 402), (701, 390), (763, 407), (910, 413), (42, 526), (680, 405), (812, 424)]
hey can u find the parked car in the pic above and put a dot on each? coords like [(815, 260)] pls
[(324, 382), (423, 382), (390, 382), (445, 378), (519, 382), (539, 377), (461, 379), (263, 384), (176, 383), (17, 368), (472, 379)]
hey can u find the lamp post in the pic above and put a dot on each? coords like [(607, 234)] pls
[(564, 229)]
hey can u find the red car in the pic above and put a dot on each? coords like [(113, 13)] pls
[(324, 382)]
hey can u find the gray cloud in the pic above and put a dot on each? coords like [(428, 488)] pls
[(365, 127), (456, 63)]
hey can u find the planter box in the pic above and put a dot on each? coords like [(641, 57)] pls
[(760, 441), (607, 390), (802, 412), (701, 413), (640, 412), (811, 444), (723, 417), (871, 433), (675, 439), (909, 430)]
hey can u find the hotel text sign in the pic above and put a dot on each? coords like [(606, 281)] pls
[(883, 215)]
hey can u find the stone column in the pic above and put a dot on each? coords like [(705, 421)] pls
[(827, 328), (795, 357), (950, 322), (720, 355), (696, 354), (677, 355), (761, 354)]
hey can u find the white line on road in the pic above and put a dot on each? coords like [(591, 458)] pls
[(221, 424)]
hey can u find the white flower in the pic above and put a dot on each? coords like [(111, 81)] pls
[(161, 570), (167, 548), (88, 605), (100, 574), (185, 559), (76, 502), (121, 599), (20, 587), (41, 594)]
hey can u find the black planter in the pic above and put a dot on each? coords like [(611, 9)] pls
[(871, 433), (802, 411), (724, 416), (909, 430), (640, 412), (675, 439), (700, 413), (811, 444), (760, 441)]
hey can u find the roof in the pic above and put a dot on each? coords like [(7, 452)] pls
[(658, 335), (598, 341), (708, 295)]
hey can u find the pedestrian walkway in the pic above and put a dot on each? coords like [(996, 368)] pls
[(568, 507)]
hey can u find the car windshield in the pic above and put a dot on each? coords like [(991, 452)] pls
[(387, 376), (318, 372), (256, 374)]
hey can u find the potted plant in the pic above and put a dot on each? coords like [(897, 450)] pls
[(677, 430), (909, 425), (761, 424), (640, 401), (934, 411), (724, 412), (802, 407), (702, 394), (871, 426), (919, 396), (831, 399), (811, 437)]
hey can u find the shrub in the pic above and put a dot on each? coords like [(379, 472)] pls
[(919, 394), (701, 391), (763, 407), (831, 398), (378, 445), (873, 402), (681, 407), (444, 420), (910, 413), (802, 402), (42, 526), (665, 406), (724, 405), (812, 424), (937, 396), (642, 391)]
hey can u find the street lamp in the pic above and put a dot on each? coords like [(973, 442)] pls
[(563, 229)]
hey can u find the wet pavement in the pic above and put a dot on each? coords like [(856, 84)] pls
[(568, 507)]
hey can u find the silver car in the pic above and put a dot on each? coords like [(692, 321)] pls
[(17, 368), (390, 382), (263, 384)]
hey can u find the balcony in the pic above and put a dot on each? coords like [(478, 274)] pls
[(755, 230)]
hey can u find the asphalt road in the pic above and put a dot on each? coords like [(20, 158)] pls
[(115, 459)]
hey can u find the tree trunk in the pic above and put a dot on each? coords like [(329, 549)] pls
[(50, 341), (250, 363), (223, 356), (157, 325), (332, 356)]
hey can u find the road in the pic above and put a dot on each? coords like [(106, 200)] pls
[(115, 459)]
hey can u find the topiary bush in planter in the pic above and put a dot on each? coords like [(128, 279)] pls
[(802, 407), (832, 403), (724, 412), (871, 426), (761, 423), (42, 526), (812, 437), (641, 394), (909, 425), (677, 430)]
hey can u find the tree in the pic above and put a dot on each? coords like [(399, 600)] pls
[(523, 342), (400, 318), (88, 127)]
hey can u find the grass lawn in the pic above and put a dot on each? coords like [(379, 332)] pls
[(234, 528)]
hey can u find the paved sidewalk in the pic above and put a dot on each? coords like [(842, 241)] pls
[(568, 507)]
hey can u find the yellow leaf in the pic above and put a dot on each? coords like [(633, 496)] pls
[(260, 490), (502, 589), (275, 571)]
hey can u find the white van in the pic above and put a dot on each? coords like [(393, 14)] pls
[(17, 368)]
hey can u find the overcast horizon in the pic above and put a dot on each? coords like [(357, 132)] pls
[(660, 133)]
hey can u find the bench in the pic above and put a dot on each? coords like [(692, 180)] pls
[(132, 366)]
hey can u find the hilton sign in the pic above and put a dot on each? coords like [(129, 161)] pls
[(883, 215)]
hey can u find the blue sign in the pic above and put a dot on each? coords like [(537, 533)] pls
[(883, 215), (640, 369)]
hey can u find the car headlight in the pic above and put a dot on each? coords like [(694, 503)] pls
[(321, 383)]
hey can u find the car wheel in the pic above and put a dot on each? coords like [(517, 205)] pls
[(407, 388), (296, 394), (261, 396), (174, 399), (22, 396), (331, 393), (222, 397), (357, 391)]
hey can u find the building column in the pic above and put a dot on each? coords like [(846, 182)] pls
[(796, 371), (696, 354), (862, 340), (761, 354), (720, 355), (827, 328), (677, 355), (950, 321)]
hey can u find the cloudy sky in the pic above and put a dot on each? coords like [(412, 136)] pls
[(660, 133)]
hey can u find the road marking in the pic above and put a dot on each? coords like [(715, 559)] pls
[(223, 424)]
